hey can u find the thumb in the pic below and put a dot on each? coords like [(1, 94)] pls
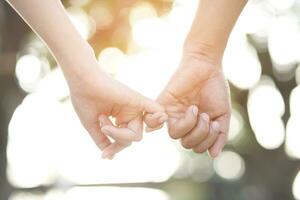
[(188, 75)]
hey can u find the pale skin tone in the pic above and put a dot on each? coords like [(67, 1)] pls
[(196, 98), (95, 96)]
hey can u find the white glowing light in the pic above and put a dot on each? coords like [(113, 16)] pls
[(81, 21), (115, 193), (95, 193), (110, 59), (79, 2), (236, 125), (150, 32), (139, 69), (54, 85), (265, 108), (296, 187), (282, 5), (29, 145), (266, 100), (28, 71), (133, 165), (141, 11), (255, 20), (269, 135), (199, 168), (241, 65), (283, 41), (180, 19), (43, 134), (229, 165), (101, 14), (26, 196)]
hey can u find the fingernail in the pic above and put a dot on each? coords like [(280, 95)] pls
[(204, 117), (195, 110), (216, 126)]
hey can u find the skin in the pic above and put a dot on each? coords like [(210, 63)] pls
[(199, 112), (95, 96), (93, 106), (196, 98)]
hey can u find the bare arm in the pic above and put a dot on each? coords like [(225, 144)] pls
[(50, 21), (197, 96), (212, 26), (94, 95)]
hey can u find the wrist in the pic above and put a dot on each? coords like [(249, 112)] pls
[(201, 51), (80, 67)]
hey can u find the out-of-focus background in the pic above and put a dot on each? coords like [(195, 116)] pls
[(45, 154)]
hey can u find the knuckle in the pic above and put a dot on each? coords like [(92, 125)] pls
[(200, 136), (204, 134), (174, 135), (186, 144), (199, 149)]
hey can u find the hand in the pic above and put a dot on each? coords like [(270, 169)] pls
[(197, 102), (95, 97)]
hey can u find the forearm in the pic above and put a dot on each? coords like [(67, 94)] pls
[(49, 20), (212, 25)]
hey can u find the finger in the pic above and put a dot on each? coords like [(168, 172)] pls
[(179, 127), (100, 139), (151, 106), (113, 149), (216, 149), (148, 129), (136, 125), (210, 140), (178, 82), (155, 121), (104, 120), (224, 122), (198, 133), (155, 114), (132, 133)]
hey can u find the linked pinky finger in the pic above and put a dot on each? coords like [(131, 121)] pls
[(155, 121)]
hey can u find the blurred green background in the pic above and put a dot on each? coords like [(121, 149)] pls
[(45, 154)]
